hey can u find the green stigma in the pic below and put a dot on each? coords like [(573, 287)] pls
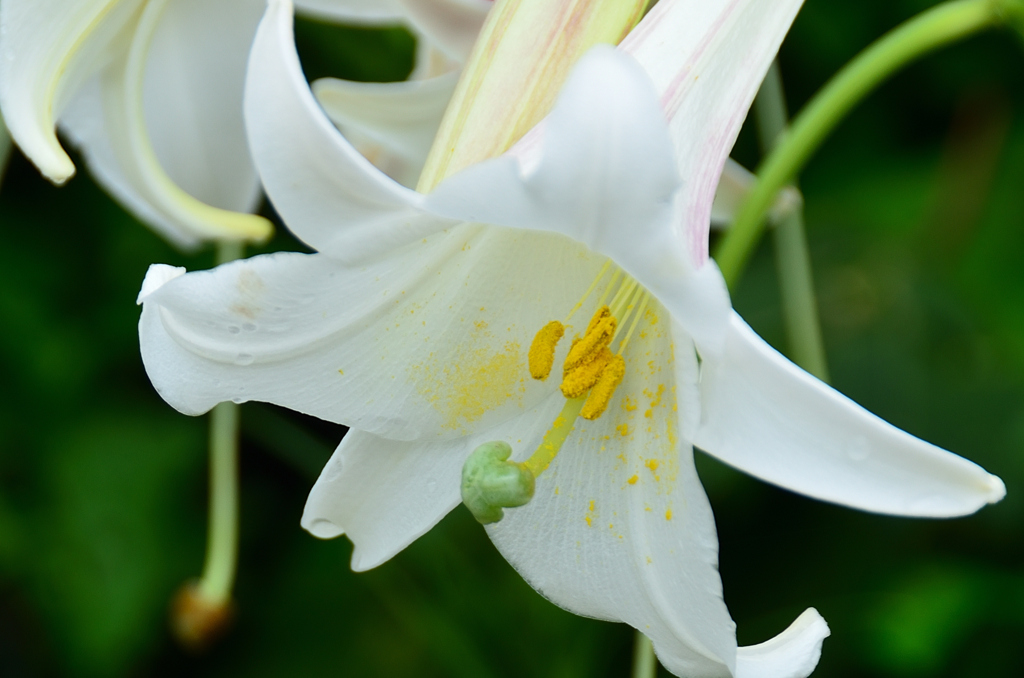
[(491, 482)]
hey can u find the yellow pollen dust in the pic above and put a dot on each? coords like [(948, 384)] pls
[(542, 350), (604, 389)]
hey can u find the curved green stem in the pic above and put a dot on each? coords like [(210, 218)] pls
[(222, 536), (644, 663), (928, 31), (793, 259)]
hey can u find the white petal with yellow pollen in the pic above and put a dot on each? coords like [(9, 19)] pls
[(400, 116), (384, 494), (433, 339), (766, 416), (47, 49), (162, 130)]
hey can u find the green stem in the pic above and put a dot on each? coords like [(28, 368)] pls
[(222, 536), (644, 663), (793, 260), (928, 31)]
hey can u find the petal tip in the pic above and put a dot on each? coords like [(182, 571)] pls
[(996, 489), (794, 653), (321, 528), (157, 276)]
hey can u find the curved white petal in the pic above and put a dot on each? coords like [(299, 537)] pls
[(451, 25), (162, 126), (329, 195), (601, 174), (372, 12), (707, 60), (792, 654), (430, 341), (47, 49), (766, 416), (620, 527), (384, 494), (403, 117)]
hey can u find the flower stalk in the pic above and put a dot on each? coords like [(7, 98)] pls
[(793, 259), (925, 33), (202, 609)]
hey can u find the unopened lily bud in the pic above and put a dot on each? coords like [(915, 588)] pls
[(197, 621), (491, 482)]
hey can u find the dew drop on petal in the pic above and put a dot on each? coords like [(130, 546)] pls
[(244, 359)]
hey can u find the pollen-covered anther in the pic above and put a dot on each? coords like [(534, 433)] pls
[(604, 389), (583, 377), (599, 335), (542, 350)]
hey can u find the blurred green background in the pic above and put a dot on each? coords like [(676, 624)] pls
[(915, 212)]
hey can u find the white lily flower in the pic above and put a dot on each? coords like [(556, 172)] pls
[(151, 92), (412, 326)]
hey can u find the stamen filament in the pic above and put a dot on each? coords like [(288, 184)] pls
[(555, 437), (611, 285), (586, 295), (636, 321), (619, 302)]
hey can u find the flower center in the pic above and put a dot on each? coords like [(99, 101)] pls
[(591, 372), (594, 366)]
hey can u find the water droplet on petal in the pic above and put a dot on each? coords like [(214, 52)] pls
[(234, 329), (244, 359), (249, 327)]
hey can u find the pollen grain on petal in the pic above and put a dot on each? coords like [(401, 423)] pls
[(542, 350), (604, 389)]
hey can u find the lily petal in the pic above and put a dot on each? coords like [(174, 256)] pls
[(792, 654), (764, 415), (47, 49), (423, 341), (620, 527), (403, 117), (384, 494), (162, 130), (601, 174), (330, 196), (705, 88)]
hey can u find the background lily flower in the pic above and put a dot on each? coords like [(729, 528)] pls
[(411, 324), (151, 92)]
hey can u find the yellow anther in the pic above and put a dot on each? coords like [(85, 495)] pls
[(602, 392), (542, 350), (598, 336), (583, 377), (599, 315)]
